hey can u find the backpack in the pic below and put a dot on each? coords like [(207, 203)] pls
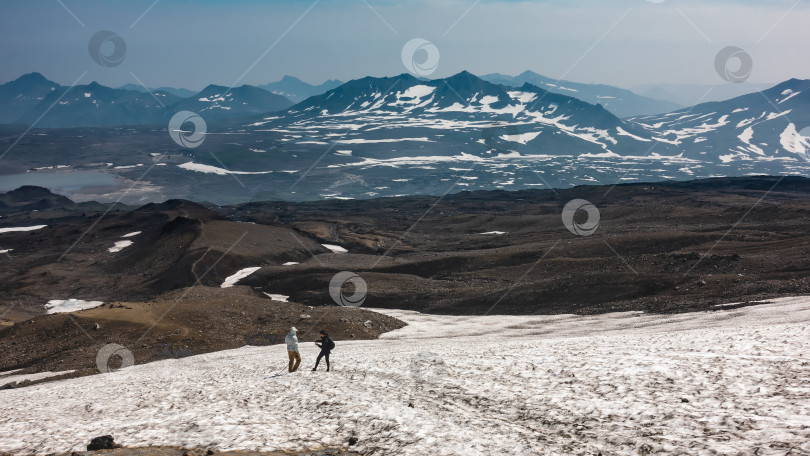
[(330, 344)]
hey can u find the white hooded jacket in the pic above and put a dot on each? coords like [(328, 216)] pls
[(292, 341)]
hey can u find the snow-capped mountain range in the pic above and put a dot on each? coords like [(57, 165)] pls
[(403, 135), (475, 116)]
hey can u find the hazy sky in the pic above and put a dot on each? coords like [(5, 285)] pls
[(185, 43)]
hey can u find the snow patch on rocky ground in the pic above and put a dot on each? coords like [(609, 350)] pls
[(335, 248), (731, 381), (70, 305), (239, 275), (21, 228), (119, 246)]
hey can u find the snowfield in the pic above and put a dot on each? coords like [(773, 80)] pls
[(732, 381)]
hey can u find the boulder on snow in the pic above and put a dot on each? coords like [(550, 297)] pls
[(105, 442)]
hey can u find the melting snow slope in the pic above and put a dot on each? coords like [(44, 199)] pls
[(734, 381)]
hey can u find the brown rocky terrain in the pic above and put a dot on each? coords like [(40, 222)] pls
[(177, 324), (668, 247)]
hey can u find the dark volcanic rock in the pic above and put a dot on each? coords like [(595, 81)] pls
[(105, 442)]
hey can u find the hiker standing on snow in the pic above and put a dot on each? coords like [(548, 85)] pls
[(326, 344), (292, 349)]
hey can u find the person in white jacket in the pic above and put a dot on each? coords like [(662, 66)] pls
[(292, 349)]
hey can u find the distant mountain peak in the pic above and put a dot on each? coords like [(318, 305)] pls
[(288, 78), (529, 73), (33, 77), (213, 87)]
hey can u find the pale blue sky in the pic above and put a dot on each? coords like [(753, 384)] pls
[(185, 43)]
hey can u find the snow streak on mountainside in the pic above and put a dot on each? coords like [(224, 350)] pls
[(759, 127)]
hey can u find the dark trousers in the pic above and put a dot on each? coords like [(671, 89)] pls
[(323, 354)]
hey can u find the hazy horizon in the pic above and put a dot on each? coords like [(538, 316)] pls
[(186, 44)]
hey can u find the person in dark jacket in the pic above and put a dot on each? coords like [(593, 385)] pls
[(326, 346)]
